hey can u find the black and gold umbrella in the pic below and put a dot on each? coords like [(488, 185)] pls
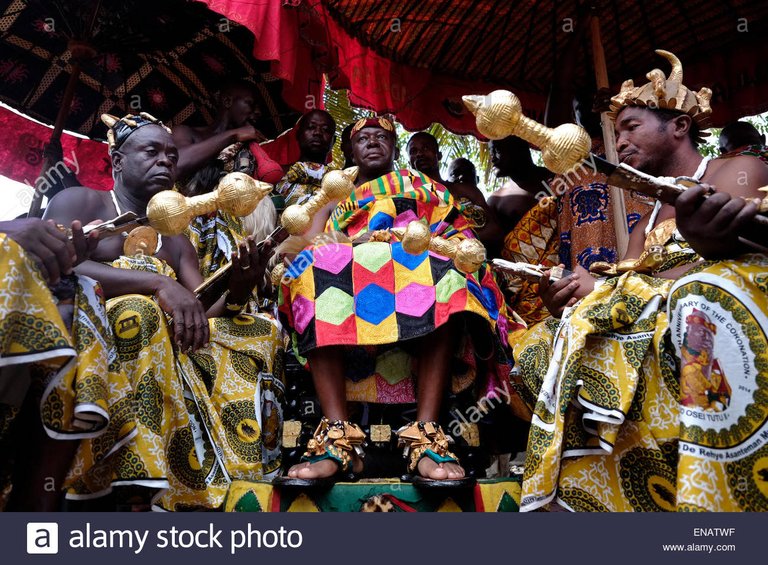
[(66, 62)]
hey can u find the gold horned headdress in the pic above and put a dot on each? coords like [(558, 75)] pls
[(121, 128), (666, 93)]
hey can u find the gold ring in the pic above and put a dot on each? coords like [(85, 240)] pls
[(246, 267)]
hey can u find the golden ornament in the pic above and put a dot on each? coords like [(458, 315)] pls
[(237, 193), (141, 241), (336, 185), (499, 115), (468, 254)]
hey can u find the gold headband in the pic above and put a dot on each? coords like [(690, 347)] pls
[(382, 123), (663, 93)]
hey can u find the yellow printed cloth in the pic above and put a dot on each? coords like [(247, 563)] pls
[(68, 361), (604, 388), (203, 419), (301, 181), (719, 329)]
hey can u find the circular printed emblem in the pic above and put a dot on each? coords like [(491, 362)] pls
[(719, 334), (128, 324)]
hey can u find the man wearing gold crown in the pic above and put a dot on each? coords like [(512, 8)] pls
[(343, 295), (206, 379), (609, 431)]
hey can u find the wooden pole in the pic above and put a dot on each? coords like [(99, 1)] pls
[(609, 138), (58, 127)]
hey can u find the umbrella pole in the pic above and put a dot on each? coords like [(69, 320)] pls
[(609, 138), (58, 127)]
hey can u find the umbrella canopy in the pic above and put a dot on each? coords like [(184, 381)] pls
[(167, 58), (518, 45)]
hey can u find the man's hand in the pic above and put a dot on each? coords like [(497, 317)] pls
[(558, 295), (48, 246), (190, 323), (248, 267), (84, 244), (712, 225), (249, 133)]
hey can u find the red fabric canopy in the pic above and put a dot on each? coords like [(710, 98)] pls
[(415, 59), (284, 36), (21, 154), (414, 72)]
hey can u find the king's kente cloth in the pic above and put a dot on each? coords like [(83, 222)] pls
[(375, 294)]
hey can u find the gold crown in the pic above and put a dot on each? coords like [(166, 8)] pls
[(666, 93)]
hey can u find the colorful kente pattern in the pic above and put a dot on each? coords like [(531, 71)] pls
[(374, 293), (533, 240)]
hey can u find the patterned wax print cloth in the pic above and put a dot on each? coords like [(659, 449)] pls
[(718, 315), (215, 236), (204, 419), (586, 226), (67, 362), (604, 388), (300, 182), (376, 294)]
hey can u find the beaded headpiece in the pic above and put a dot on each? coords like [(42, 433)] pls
[(121, 128)]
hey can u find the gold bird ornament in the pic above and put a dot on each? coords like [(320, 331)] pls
[(336, 185)]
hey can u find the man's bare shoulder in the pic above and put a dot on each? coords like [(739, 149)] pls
[(510, 189), (465, 190), (741, 175), (78, 203), (186, 135)]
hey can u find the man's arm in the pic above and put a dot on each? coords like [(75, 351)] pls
[(713, 226), (49, 246), (195, 155)]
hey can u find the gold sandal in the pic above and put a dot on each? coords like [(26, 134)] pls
[(335, 440), (427, 439)]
